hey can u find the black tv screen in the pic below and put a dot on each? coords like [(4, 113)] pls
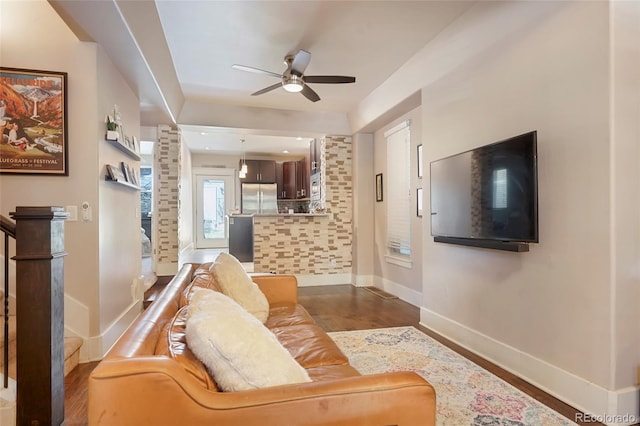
[(488, 193)]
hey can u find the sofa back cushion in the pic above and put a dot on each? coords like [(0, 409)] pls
[(236, 283), (202, 279), (173, 343), (238, 350)]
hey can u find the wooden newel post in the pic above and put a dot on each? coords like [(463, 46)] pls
[(40, 315)]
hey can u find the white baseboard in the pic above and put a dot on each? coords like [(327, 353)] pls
[(311, 280), (405, 293), (363, 280), (99, 345), (616, 408)]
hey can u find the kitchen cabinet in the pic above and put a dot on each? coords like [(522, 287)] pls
[(279, 180), (302, 178), (289, 179), (315, 153), (293, 179), (259, 171)]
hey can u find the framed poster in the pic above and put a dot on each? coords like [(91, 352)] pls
[(379, 187), (33, 122), (419, 202), (420, 161)]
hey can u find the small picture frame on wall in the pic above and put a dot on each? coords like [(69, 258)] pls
[(379, 187), (419, 202), (420, 161)]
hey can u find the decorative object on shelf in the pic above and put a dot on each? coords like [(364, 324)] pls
[(112, 129), (128, 173), (419, 201), (33, 122), (115, 132), (115, 173), (420, 161), (124, 175), (379, 187), (243, 169), (135, 145)]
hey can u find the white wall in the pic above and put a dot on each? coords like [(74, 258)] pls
[(547, 314), (119, 209), (404, 282), (563, 315), (102, 261), (363, 208), (186, 202), (53, 47), (625, 148)]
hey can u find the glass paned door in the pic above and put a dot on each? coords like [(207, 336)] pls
[(213, 200)]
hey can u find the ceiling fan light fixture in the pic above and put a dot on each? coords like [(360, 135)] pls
[(293, 84)]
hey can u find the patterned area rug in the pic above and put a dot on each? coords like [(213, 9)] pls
[(466, 394)]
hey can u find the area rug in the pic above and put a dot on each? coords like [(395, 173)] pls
[(466, 394)]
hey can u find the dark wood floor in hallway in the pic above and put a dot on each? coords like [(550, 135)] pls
[(337, 308)]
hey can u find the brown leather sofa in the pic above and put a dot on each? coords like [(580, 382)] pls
[(150, 377)]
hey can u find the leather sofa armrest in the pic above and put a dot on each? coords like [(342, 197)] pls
[(278, 288), (172, 397)]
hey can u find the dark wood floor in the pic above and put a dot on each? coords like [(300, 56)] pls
[(337, 308)]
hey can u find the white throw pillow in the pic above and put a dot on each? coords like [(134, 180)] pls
[(236, 283), (238, 351)]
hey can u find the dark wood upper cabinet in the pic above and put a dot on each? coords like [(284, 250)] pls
[(302, 181), (289, 179), (262, 171)]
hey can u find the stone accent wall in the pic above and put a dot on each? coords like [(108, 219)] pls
[(313, 245), (291, 244), (166, 177), (339, 198)]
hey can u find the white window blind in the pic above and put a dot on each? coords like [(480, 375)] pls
[(397, 189)]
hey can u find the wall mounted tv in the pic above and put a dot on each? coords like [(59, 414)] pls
[(488, 196)]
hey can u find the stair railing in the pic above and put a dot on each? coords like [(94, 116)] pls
[(8, 228)]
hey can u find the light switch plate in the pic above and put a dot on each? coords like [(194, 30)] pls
[(73, 213)]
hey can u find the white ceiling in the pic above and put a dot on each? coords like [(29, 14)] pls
[(186, 49)]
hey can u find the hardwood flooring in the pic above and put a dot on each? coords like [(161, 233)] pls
[(338, 308)]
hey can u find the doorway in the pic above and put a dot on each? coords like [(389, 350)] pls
[(214, 199)]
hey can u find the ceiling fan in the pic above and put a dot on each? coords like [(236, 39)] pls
[(293, 78)]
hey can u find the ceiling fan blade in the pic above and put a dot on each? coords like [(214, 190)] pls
[(310, 94), (300, 62), (267, 89), (255, 70), (329, 79)]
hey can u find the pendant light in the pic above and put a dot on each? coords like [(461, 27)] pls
[(243, 169)]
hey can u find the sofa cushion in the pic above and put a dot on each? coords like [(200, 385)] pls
[(284, 314), (236, 283), (310, 345), (202, 280), (238, 350), (173, 343)]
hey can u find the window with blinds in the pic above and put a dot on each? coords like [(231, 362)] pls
[(398, 189)]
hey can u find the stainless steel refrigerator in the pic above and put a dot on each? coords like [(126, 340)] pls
[(259, 198)]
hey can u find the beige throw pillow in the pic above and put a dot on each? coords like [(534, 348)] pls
[(238, 351), (236, 283)]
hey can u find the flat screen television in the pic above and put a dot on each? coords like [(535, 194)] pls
[(487, 194)]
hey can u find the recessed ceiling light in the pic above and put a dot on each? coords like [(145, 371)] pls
[(298, 138), (204, 133), (284, 151), (206, 147)]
